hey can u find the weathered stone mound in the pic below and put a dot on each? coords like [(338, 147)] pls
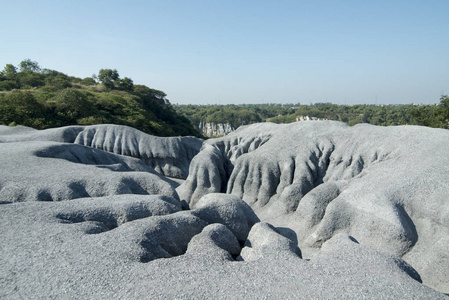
[(84, 217), (169, 156), (50, 171), (266, 242), (145, 246), (387, 187)]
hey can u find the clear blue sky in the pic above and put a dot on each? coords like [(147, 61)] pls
[(225, 51)]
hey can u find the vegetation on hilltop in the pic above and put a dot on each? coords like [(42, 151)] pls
[(383, 115), (43, 98)]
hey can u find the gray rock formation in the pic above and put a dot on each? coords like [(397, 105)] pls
[(51, 171), (85, 217), (228, 210), (143, 246), (169, 156), (265, 242), (308, 118), (385, 186), (212, 129), (215, 240)]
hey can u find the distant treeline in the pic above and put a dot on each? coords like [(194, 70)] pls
[(43, 98), (385, 115)]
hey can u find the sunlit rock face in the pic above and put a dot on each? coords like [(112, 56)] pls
[(307, 118), (310, 210), (168, 156), (212, 129), (385, 186)]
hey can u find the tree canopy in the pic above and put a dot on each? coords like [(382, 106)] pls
[(108, 77), (384, 115), (44, 98), (29, 65)]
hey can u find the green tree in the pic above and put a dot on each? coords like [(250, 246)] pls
[(8, 78), (29, 65), (56, 80), (10, 71), (28, 78), (54, 104), (158, 94), (72, 104), (444, 110), (20, 108), (142, 90), (126, 84), (7, 85), (108, 77)]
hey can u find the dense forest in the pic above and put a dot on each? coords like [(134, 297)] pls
[(385, 115), (43, 98)]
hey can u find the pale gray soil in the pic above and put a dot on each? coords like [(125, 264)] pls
[(328, 212)]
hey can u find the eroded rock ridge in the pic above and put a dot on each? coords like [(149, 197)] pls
[(314, 210)]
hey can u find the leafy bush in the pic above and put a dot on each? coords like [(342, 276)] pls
[(21, 108), (7, 85), (88, 81)]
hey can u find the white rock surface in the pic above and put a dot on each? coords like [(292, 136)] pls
[(169, 156), (212, 129), (367, 206), (134, 247), (386, 186), (265, 242), (51, 171)]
